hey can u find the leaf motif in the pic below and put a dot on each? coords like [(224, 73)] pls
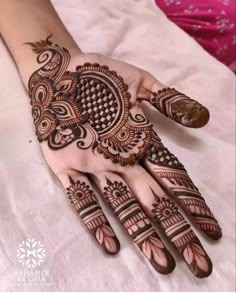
[(198, 249), (40, 256), (108, 231), (99, 235), (151, 249), (33, 261), (159, 256), (63, 110), (66, 131), (188, 254), (110, 244), (64, 85), (20, 256), (156, 242), (58, 137), (201, 262), (146, 249)]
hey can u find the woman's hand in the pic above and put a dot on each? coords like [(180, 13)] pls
[(88, 119)]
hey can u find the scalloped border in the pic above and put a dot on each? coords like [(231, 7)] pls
[(123, 88)]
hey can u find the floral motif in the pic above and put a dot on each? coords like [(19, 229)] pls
[(90, 212), (49, 112), (114, 190), (222, 50), (139, 227), (77, 192), (106, 237), (191, 9), (43, 118), (177, 229), (196, 27), (90, 106), (196, 258), (164, 209), (172, 2), (153, 249), (63, 136), (31, 253), (222, 23)]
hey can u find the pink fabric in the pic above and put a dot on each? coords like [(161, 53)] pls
[(210, 22)]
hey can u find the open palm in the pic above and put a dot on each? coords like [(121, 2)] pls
[(92, 130)]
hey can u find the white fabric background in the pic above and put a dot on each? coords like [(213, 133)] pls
[(34, 205)]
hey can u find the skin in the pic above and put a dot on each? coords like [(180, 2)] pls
[(138, 189)]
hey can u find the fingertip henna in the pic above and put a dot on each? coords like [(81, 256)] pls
[(179, 232), (173, 177), (197, 259), (92, 108), (139, 227), (180, 108), (190, 113), (90, 212)]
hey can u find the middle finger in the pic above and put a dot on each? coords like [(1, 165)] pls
[(129, 212)]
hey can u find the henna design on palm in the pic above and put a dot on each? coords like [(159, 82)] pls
[(67, 106), (139, 227), (90, 212), (91, 107)]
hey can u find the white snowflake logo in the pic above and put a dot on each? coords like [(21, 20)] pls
[(31, 253)]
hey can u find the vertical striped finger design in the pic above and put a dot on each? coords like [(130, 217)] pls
[(180, 108), (173, 177), (178, 231), (84, 200), (130, 214)]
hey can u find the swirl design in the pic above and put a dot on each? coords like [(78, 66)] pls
[(90, 106)]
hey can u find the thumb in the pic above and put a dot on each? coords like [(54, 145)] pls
[(173, 104)]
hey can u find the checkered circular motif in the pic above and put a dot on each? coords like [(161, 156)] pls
[(96, 99)]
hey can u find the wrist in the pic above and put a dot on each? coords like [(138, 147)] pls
[(29, 63), (38, 20)]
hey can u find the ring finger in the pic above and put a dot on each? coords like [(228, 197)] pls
[(166, 214)]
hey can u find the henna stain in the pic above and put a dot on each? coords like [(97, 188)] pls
[(139, 227), (90, 212), (180, 108), (173, 177), (179, 232), (67, 106)]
